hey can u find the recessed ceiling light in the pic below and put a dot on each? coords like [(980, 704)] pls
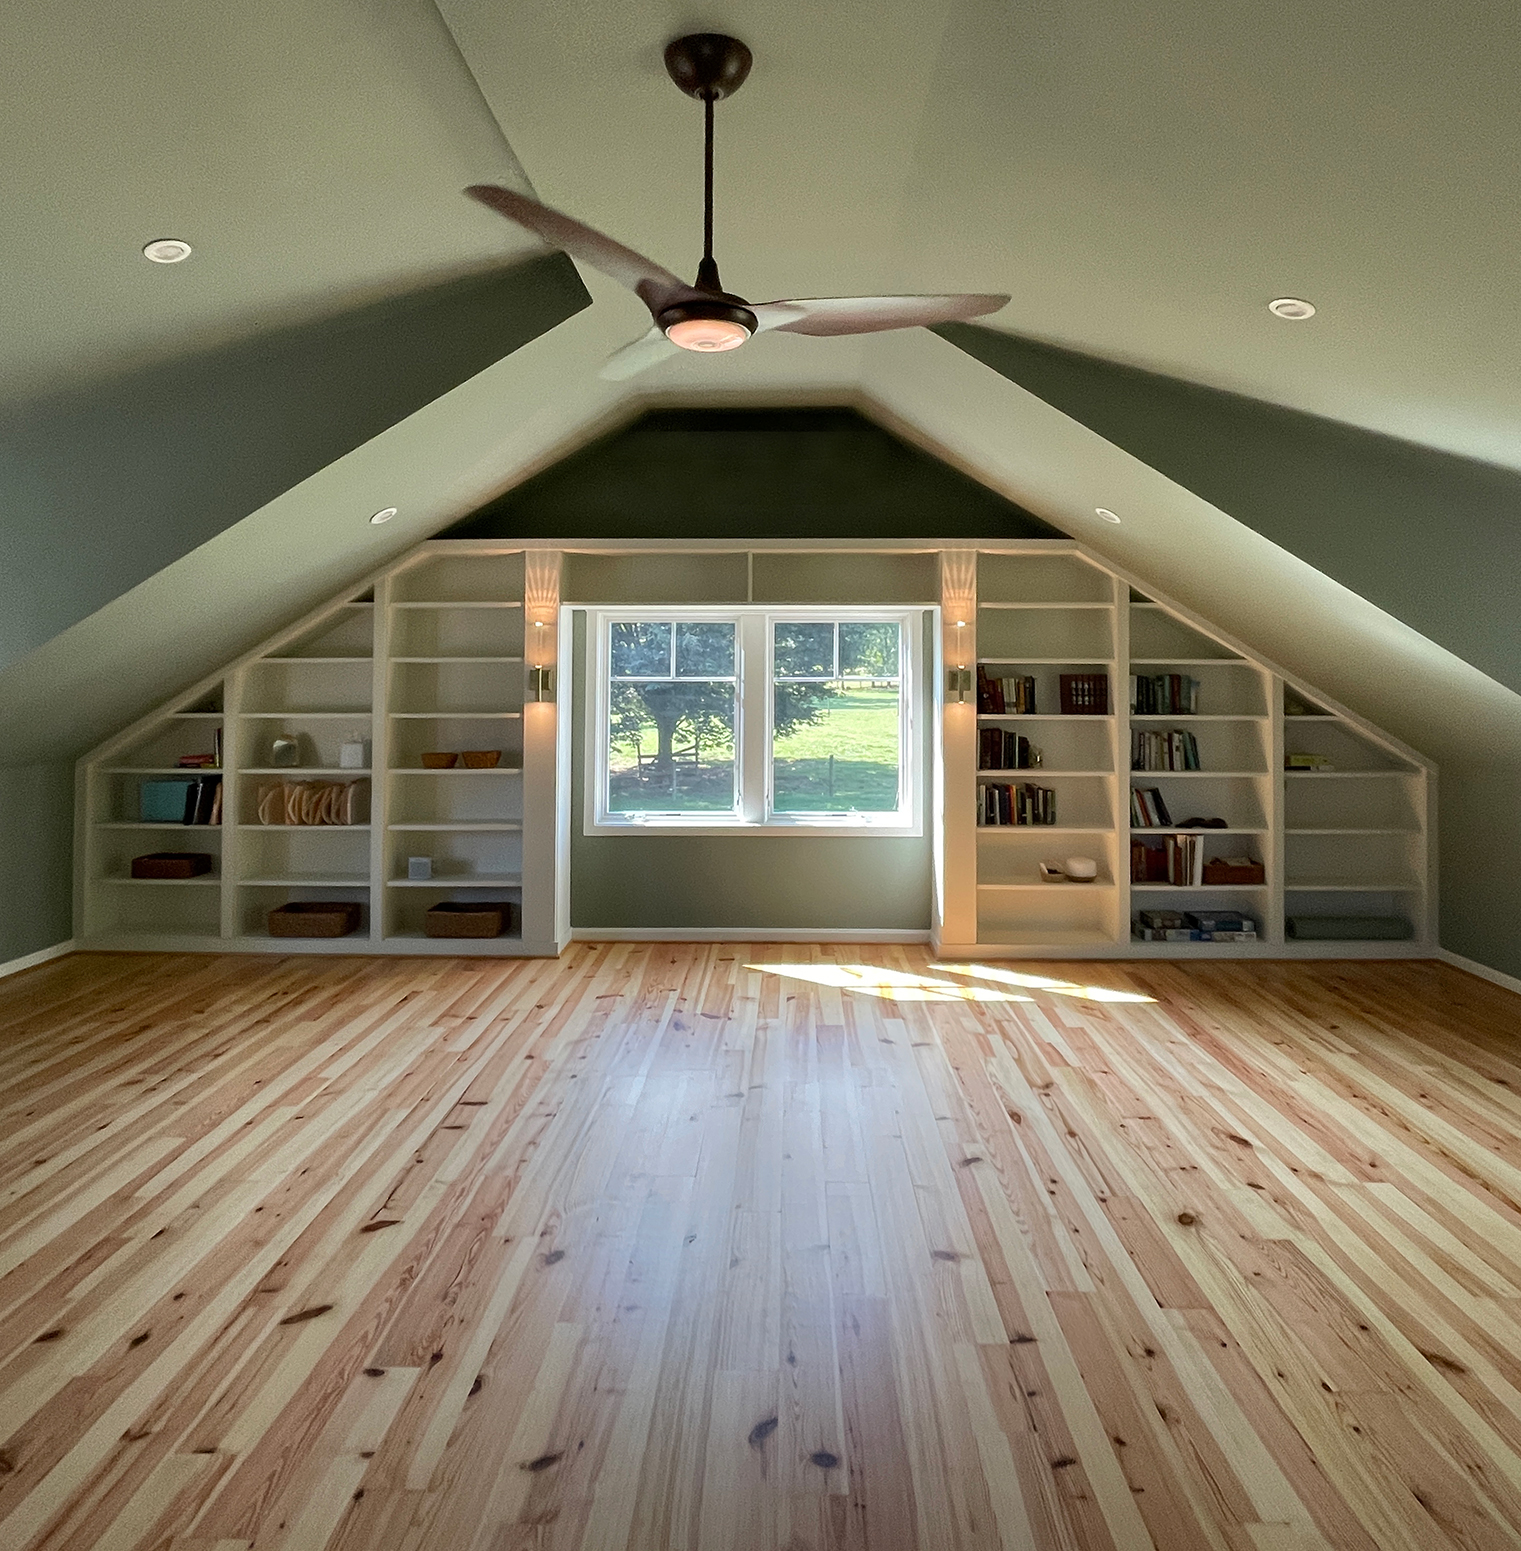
[(166, 250), (1294, 308), (385, 514), (1105, 513)]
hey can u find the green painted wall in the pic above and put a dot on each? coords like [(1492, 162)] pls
[(1432, 538), (754, 474), (36, 861), (762, 881), (105, 485)]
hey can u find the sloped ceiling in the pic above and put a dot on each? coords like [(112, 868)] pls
[(1141, 180)]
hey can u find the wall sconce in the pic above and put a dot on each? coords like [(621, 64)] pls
[(958, 680), (541, 682)]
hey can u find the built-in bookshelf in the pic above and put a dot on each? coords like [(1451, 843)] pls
[(428, 659), (1067, 689), (1299, 817)]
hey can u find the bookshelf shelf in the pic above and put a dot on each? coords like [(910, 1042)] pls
[(1021, 659), (1184, 719), (506, 880), (485, 770), (1345, 886), (1198, 888), (1191, 662), (1037, 772), (304, 829), (301, 772), (345, 881), (456, 659), (1042, 716), (285, 662), (1098, 886), (1196, 775), (1042, 829), (205, 881), (1234, 830), (357, 713), (456, 716), (1099, 605), (456, 829), (458, 603)]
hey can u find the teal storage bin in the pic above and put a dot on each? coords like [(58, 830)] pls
[(160, 802)]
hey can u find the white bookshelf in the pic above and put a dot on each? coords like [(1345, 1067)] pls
[(439, 652), (1353, 841), (428, 656)]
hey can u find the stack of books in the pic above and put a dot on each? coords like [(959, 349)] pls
[(1195, 926), (1001, 750), (999, 804), (1005, 697), (1163, 751), (1163, 694), (1084, 694), (1147, 810), (1185, 861)]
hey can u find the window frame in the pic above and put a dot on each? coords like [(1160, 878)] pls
[(753, 813)]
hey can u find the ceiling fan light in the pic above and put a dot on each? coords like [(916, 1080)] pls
[(708, 323), (707, 334)]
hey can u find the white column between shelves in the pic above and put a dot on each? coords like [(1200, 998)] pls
[(382, 787), (957, 723), (1275, 849), (232, 762)]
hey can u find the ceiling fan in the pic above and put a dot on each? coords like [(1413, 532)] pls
[(703, 316)]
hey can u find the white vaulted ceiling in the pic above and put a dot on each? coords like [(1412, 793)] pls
[(1140, 180)]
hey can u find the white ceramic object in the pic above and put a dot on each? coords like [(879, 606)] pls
[(1081, 869)]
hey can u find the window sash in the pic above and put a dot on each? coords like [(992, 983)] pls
[(753, 679)]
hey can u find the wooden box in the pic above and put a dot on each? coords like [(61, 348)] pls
[(484, 919), (1219, 870), (314, 918), (172, 864)]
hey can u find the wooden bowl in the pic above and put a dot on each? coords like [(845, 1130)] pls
[(439, 761), (482, 759)]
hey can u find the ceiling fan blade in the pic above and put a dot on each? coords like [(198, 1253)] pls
[(638, 356), (655, 286), (868, 314)]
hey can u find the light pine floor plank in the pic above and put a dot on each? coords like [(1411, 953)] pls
[(691, 1248)]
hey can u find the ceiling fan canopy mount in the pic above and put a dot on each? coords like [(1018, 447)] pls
[(708, 65)]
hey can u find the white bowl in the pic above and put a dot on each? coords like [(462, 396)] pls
[(1081, 869)]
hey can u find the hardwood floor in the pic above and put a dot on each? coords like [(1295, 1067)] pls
[(653, 1248)]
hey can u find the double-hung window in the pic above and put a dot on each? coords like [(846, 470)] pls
[(755, 719)]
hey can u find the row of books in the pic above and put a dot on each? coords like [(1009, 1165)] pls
[(203, 800), (1195, 926), (1001, 750), (1147, 810), (1180, 859), (1164, 751), (999, 803), (1004, 696), (1163, 694)]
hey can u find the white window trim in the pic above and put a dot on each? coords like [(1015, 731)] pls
[(753, 641)]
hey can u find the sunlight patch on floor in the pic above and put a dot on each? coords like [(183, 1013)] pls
[(890, 984), (1015, 977)]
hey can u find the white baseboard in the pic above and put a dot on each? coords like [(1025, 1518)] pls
[(1483, 971), (41, 956), (738, 934)]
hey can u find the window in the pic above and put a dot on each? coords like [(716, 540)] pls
[(754, 719)]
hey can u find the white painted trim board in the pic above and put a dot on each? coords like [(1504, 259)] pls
[(1483, 971), (41, 956)]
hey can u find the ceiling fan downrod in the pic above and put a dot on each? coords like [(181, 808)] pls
[(709, 66)]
